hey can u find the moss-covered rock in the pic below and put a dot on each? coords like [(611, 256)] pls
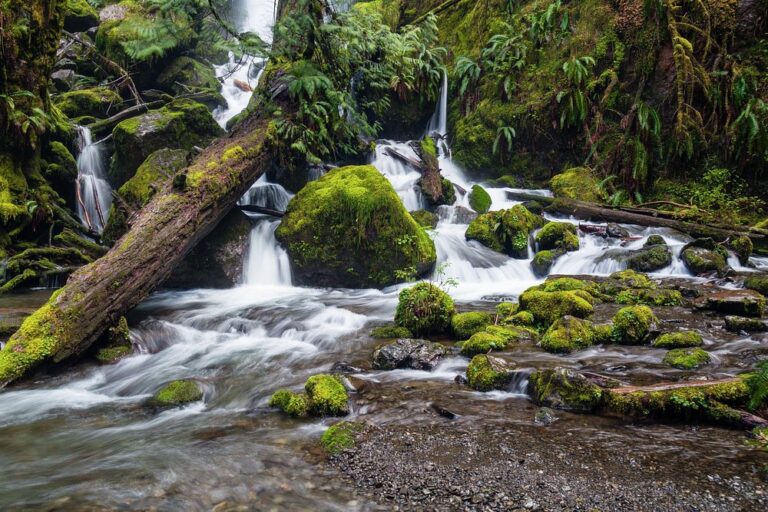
[(182, 124), (558, 235), (570, 333), (340, 437), (736, 302), (633, 325), (350, 229), (650, 258), (577, 183), (292, 404), (324, 395), (483, 342), (547, 307), (118, 343), (424, 309), (465, 325), (654, 240), (486, 373), (185, 74), (562, 388), (425, 218), (744, 324), (625, 280), (178, 392), (479, 199), (61, 171), (743, 248), (390, 332), (505, 231), (686, 358), (704, 256), (657, 297), (543, 261), (680, 339), (759, 283), (97, 102), (408, 353), (522, 318), (79, 16)]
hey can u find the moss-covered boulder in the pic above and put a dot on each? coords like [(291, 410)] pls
[(483, 342), (118, 343), (486, 373), (79, 16), (185, 74), (743, 324), (565, 389), (61, 171), (182, 124), (178, 392), (505, 231), (424, 309), (650, 297), (577, 183), (324, 395), (558, 236), (687, 358), (742, 246), (390, 332), (759, 283), (633, 325), (543, 261), (479, 199), (425, 218), (465, 325), (705, 256), (99, 102), (350, 229), (680, 339), (625, 280), (340, 436), (570, 333), (650, 258), (547, 307)]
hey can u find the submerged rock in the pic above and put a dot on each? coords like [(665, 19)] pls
[(565, 389), (544, 417), (505, 231), (424, 309), (408, 353), (486, 373), (178, 392), (349, 229)]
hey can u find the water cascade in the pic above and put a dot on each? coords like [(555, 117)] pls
[(93, 193)]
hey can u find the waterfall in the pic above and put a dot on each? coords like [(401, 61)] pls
[(438, 123), (93, 193)]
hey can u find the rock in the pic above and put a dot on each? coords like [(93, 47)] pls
[(349, 229), (686, 358), (182, 124), (66, 63), (743, 324), (118, 343), (114, 12), (704, 255), (681, 339), (633, 325), (390, 331), (340, 437), (344, 368), (736, 302), (759, 283), (577, 183), (570, 333), (424, 309), (463, 215), (543, 262), (486, 373), (185, 74), (547, 307), (79, 16), (465, 325), (613, 230), (178, 392), (324, 395), (483, 342), (479, 199), (505, 231), (243, 86), (564, 389), (63, 79), (650, 258), (657, 297), (425, 218), (544, 417), (626, 280), (558, 236), (61, 171), (218, 260), (743, 247), (408, 353), (97, 102)]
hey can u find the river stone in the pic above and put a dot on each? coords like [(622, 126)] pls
[(408, 353), (544, 417), (564, 389), (704, 255), (649, 258), (613, 230), (736, 302), (743, 324), (63, 79)]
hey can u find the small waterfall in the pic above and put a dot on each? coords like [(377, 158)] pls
[(438, 123), (93, 193), (404, 178)]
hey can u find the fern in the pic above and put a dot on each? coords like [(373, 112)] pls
[(758, 386)]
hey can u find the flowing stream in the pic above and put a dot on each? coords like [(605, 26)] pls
[(86, 438), (93, 193)]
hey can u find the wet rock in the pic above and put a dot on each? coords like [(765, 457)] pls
[(486, 373), (63, 79), (633, 325), (408, 353), (495, 337), (178, 392), (543, 261), (742, 246), (544, 417), (650, 258), (558, 235), (577, 183), (463, 215), (704, 256), (424, 309), (324, 395), (735, 302), (564, 389), (479, 199), (570, 333), (390, 332), (465, 325), (505, 231), (743, 324), (425, 218), (547, 307), (682, 339), (654, 240), (344, 368), (686, 358), (613, 230), (759, 283), (442, 411), (97, 102)]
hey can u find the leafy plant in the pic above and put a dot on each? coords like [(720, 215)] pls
[(573, 100), (758, 386), (504, 134)]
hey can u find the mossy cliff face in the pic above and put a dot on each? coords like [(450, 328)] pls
[(349, 229), (505, 231), (182, 124)]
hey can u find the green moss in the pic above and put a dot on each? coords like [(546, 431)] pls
[(479, 199), (547, 307), (98, 102), (151, 176), (577, 183), (465, 325), (564, 389), (568, 334), (482, 343), (687, 358), (625, 280), (758, 283), (178, 392), (391, 331), (110, 355), (654, 240), (632, 325), (293, 404), (327, 396), (425, 218), (486, 373), (185, 74), (340, 437), (558, 235), (349, 228), (523, 318), (506, 309), (424, 309), (60, 155), (505, 231), (700, 260), (661, 297), (743, 247), (681, 339), (650, 259), (543, 261)]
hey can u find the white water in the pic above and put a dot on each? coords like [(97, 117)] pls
[(258, 17), (93, 191)]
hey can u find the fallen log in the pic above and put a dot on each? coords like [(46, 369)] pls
[(260, 209), (641, 217), (417, 165), (103, 125)]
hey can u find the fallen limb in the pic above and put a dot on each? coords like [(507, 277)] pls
[(260, 209), (103, 125)]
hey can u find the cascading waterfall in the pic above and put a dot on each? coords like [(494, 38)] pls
[(438, 123), (93, 193)]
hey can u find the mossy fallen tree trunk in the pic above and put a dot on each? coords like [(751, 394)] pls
[(643, 217)]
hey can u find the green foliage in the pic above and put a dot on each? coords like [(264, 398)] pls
[(573, 100), (424, 309), (758, 386)]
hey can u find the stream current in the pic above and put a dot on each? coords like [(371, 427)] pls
[(84, 438)]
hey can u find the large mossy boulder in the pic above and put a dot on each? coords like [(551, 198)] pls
[(486, 373), (558, 236), (505, 231), (424, 309), (633, 325), (565, 389), (655, 255), (577, 183), (182, 124), (465, 325), (350, 229), (324, 395), (705, 256), (570, 333), (549, 306), (186, 75), (97, 102), (543, 261)]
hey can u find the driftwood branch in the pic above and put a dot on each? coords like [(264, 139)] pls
[(260, 209)]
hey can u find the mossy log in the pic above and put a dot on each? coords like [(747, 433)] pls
[(643, 217)]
